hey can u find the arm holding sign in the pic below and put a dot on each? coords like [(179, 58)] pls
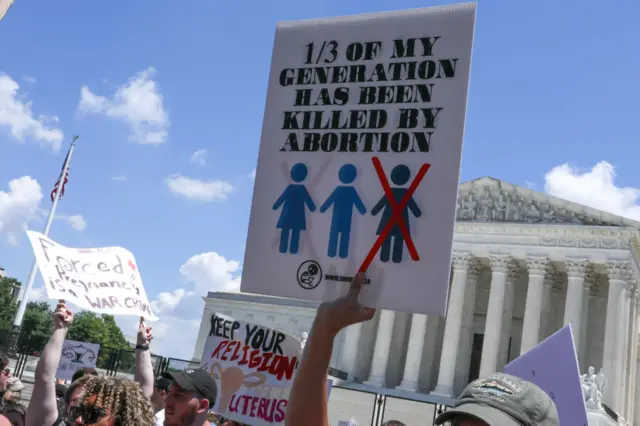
[(43, 409), (144, 368), (308, 397)]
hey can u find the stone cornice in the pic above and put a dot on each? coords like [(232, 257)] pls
[(603, 237)]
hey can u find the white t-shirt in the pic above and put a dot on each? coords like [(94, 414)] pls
[(159, 418)]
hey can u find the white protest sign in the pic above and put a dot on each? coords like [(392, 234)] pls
[(253, 367), (104, 280), (360, 158), (76, 356)]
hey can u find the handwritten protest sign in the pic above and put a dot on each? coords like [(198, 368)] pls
[(253, 366), (76, 356), (360, 157), (553, 366), (103, 280)]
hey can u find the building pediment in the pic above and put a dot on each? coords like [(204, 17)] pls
[(491, 200)]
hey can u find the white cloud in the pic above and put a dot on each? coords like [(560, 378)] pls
[(18, 206), (195, 189), (29, 79), (180, 310), (138, 103), (199, 157), (119, 178), (17, 116), (166, 301), (594, 188), (212, 272), (76, 221), (252, 175)]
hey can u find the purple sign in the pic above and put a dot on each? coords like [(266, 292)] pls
[(553, 366), (329, 386)]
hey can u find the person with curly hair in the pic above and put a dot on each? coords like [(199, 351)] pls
[(109, 401), (43, 408)]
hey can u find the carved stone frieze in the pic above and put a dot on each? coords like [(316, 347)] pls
[(493, 203), (610, 243), (500, 262), (618, 270), (591, 281), (558, 281), (513, 273), (576, 268), (475, 269), (538, 265), (460, 261)]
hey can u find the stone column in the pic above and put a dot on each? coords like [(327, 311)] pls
[(348, 359), (537, 267), (583, 353), (500, 264), (381, 349), (414, 353), (453, 325), (203, 332), (576, 269), (618, 272), (633, 354), (545, 321), (623, 355), (466, 336), (507, 318)]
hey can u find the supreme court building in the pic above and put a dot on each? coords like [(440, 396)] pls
[(524, 265)]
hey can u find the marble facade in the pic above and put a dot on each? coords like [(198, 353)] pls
[(524, 265)]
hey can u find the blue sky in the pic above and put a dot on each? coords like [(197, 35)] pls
[(552, 105)]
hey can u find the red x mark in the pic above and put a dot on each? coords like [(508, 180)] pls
[(396, 212), (132, 265)]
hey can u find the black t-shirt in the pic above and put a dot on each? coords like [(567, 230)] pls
[(15, 413)]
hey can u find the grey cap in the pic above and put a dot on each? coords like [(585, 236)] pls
[(504, 400)]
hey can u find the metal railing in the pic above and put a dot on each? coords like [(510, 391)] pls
[(368, 407)]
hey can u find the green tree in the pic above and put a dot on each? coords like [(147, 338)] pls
[(36, 325), (8, 306), (101, 329)]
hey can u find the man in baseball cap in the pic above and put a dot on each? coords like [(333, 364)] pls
[(191, 395), (502, 400)]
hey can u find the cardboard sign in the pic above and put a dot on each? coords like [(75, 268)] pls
[(253, 366), (360, 156), (553, 366), (104, 280), (76, 356)]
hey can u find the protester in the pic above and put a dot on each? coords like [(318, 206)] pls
[(4, 372), (501, 400), (160, 389), (84, 372), (191, 395), (12, 408), (91, 399), (308, 396)]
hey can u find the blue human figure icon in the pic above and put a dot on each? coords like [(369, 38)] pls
[(344, 198), (399, 176), (293, 215)]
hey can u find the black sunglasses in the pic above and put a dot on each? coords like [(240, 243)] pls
[(90, 415)]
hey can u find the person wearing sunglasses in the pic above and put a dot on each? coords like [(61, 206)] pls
[(91, 400), (110, 401)]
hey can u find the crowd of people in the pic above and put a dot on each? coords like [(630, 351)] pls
[(186, 398)]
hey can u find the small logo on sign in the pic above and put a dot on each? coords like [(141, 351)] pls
[(309, 274)]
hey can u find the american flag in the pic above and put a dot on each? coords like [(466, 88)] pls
[(64, 177)]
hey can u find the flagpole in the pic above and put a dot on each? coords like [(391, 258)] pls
[(24, 293)]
